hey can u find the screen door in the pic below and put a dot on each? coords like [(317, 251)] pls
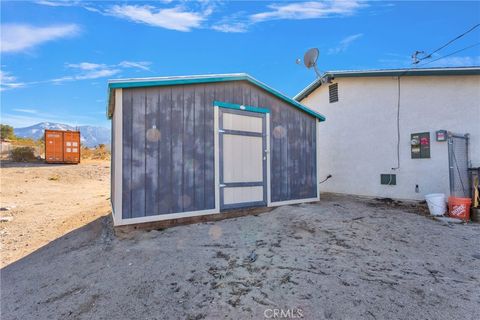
[(242, 159)]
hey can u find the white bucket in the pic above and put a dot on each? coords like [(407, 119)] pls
[(436, 204)]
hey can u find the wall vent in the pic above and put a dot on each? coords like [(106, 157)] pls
[(388, 179), (333, 92)]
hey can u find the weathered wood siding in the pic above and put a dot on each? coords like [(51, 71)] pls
[(168, 147)]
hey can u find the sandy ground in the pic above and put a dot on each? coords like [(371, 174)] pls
[(342, 258), (47, 201)]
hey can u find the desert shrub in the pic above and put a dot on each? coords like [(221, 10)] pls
[(23, 154), (28, 142), (98, 153)]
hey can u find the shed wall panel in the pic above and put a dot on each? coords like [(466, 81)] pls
[(188, 138), (198, 200), (151, 151), (177, 149), (127, 154), (164, 192), (175, 173), (138, 153)]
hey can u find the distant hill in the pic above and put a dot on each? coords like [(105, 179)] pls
[(90, 135)]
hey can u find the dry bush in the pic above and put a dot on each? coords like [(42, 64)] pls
[(27, 142), (98, 153), (37, 146), (23, 154)]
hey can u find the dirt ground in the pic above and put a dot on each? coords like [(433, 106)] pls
[(43, 202), (341, 258)]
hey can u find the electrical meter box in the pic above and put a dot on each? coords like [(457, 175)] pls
[(441, 135), (420, 145)]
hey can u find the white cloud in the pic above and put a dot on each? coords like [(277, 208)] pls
[(62, 79), (308, 10), (92, 9), (143, 65), (8, 81), (241, 22), (19, 37), (31, 111), (235, 23), (237, 27), (86, 66), (6, 77), (58, 3), (89, 70), (191, 15), (101, 73), (345, 43), (69, 3), (175, 18), (83, 71)]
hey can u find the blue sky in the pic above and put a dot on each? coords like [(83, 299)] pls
[(56, 56)]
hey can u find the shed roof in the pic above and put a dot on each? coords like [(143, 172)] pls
[(182, 80), (458, 71)]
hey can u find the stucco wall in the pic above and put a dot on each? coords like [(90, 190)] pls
[(358, 140)]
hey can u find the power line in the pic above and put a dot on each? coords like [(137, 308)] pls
[(451, 54), (412, 68), (448, 43), (399, 93), (417, 60)]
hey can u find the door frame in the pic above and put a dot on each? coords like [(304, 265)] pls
[(221, 108)]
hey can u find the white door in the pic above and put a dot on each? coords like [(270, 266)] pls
[(242, 159)]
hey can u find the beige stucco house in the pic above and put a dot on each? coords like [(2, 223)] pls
[(386, 122)]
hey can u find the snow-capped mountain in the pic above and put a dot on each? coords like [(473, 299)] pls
[(90, 136)]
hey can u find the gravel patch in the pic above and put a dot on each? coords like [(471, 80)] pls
[(341, 258)]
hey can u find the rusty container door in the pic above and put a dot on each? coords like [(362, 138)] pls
[(53, 146), (71, 140)]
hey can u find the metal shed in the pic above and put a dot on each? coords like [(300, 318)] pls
[(201, 145)]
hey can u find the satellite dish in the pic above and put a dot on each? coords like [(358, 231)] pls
[(310, 57), (310, 60)]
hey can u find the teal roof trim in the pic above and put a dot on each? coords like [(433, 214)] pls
[(171, 81), (239, 107)]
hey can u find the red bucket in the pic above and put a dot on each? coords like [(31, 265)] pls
[(459, 208)]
